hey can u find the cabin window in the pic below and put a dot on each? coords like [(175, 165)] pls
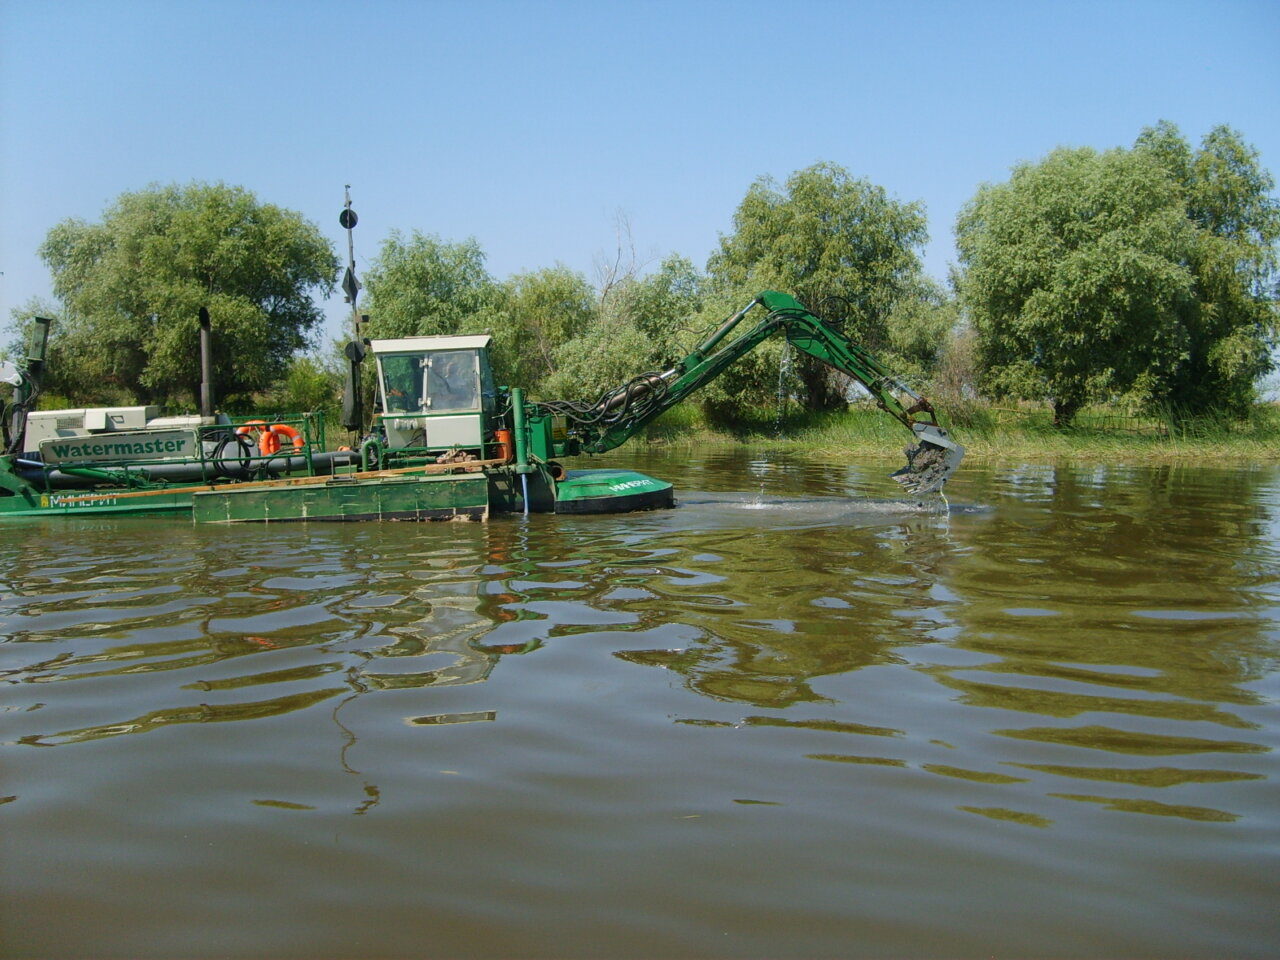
[(453, 383), (402, 383)]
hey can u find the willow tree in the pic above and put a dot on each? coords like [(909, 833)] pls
[(1232, 329), (422, 286), (1074, 279), (541, 311), (641, 324), (132, 287), (839, 244)]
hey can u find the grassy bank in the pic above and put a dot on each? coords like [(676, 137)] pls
[(995, 433)]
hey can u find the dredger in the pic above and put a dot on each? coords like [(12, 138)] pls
[(445, 441)]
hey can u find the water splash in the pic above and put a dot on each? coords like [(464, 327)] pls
[(784, 370)]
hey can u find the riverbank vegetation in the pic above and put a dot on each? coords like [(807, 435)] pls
[(1105, 302), (989, 432)]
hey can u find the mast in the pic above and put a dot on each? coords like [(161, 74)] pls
[(352, 405), (350, 285)]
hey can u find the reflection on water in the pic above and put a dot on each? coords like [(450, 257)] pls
[(805, 671)]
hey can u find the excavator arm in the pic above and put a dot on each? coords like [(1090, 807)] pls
[(618, 414)]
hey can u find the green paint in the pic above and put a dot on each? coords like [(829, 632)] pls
[(611, 491), (385, 498)]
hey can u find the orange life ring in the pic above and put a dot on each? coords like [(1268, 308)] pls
[(268, 442), (283, 430)]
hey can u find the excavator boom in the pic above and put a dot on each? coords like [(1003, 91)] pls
[(618, 414)]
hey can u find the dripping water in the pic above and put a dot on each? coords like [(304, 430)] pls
[(784, 371)]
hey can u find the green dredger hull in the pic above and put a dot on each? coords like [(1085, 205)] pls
[(67, 503), (394, 498), (470, 496)]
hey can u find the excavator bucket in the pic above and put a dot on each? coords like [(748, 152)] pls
[(930, 462)]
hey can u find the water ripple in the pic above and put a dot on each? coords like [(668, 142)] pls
[(805, 706)]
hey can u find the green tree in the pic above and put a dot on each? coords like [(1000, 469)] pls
[(424, 286), (607, 355), (312, 382), (641, 324), (827, 239), (59, 387), (541, 311), (1074, 279), (133, 284), (921, 327), (662, 305), (1231, 330)]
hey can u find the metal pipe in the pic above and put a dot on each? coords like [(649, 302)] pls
[(25, 392), (521, 429), (364, 451), (206, 365)]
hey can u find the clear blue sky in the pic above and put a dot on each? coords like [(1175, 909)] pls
[(532, 125)]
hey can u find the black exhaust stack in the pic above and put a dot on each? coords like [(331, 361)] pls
[(206, 364)]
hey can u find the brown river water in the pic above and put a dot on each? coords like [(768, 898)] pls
[(793, 717)]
